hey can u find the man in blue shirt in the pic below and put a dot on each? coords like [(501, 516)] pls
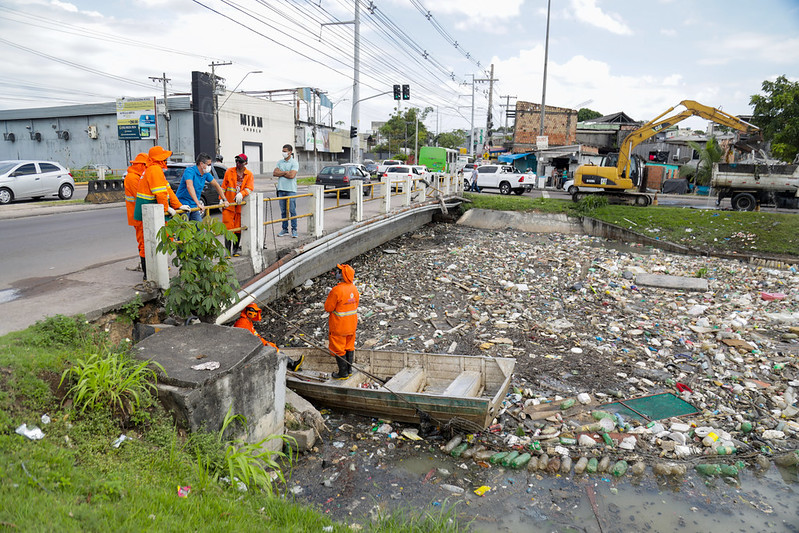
[(286, 174), (193, 182)]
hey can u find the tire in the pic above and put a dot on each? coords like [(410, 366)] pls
[(744, 202), (6, 196), (572, 190), (466, 185), (65, 191), (504, 188), (641, 201), (518, 192)]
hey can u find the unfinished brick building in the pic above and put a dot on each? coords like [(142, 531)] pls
[(560, 125)]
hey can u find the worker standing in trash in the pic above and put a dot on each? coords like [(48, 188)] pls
[(132, 177), (237, 184), (342, 304), (252, 313)]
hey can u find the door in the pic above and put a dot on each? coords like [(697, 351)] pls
[(50, 177), (255, 154), (27, 181)]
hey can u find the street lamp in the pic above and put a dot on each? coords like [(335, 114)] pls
[(216, 112)]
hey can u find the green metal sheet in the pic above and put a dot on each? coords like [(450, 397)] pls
[(653, 407)]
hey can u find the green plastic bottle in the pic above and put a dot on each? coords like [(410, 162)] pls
[(607, 439), (729, 470), (459, 449), (620, 468), (497, 457), (568, 403), (505, 461), (746, 427), (521, 461), (568, 441), (592, 465), (599, 415), (708, 469), (726, 450)]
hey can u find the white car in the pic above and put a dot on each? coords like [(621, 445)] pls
[(570, 187), (424, 173), (400, 172), (34, 179), (505, 178)]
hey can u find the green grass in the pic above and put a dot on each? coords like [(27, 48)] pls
[(75, 480), (310, 180), (704, 229)]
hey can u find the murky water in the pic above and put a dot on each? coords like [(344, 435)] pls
[(8, 295)]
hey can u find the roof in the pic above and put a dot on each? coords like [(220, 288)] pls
[(507, 158), (616, 118)]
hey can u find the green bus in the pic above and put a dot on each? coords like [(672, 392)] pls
[(438, 159)]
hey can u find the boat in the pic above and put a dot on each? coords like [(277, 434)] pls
[(459, 390)]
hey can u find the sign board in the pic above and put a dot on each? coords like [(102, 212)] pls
[(542, 142), (136, 119)]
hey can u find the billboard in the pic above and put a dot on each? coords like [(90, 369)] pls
[(136, 119)]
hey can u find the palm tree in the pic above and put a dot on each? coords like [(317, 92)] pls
[(708, 155)]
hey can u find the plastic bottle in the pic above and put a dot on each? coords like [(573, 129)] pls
[(710, 439), (638, 468), (554, 464), (661, 469), (533, 464), (729, 470), (505, 461), (521, 461), (599, 415), (543, 461), (459, 449), (535, 446), (454, 442), (788, 459), (620, 468), (468, 454), (497, 457), (566, 464), (607, 439), (726, 450), (582, 462), (568, 441), (708, 469), (483, 455), (452, 488), (746, 427), (567, 404), (604, 464), (677, 470), (592, 466), (763, 462)]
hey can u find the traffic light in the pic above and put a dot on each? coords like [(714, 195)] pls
[(397, 92), (353, 132), (406, 92)]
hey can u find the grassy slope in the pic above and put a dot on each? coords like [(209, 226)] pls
[(727, 231)]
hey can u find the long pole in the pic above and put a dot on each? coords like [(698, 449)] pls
[(471, 132), (544, 90), (490, 116), (416, 149), (213, 65), (315, 153), (164, 80), (355, 150)]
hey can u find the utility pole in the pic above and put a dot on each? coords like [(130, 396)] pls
[(490, 81), (213, 65), (506, 105), (164, 80), (315, 152), (355, 149), (544, 90), (471, 124), (416, 149)]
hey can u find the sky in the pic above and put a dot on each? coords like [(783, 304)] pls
[(637, 56)]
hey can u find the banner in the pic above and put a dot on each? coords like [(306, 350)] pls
[(136, 119)]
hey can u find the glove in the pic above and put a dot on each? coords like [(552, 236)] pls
[(239, 198), (171, 211), (185, 208), (200, 204)]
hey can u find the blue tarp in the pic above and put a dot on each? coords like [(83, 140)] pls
[(509, 158)]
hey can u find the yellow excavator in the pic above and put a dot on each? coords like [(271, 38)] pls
[(620, 175)]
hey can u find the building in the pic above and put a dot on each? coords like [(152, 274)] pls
[(560, 126), (606, 133)]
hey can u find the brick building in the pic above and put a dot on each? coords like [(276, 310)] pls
[(560, 126)]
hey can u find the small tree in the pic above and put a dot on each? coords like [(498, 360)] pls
[(710, 154), (206, 282)]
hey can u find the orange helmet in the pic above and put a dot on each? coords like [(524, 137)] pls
[(140, 158), (253, 312)]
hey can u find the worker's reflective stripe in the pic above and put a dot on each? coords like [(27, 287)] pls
[(145, 196), (130, 198), (345, 313), (155, 190), (230, 189)]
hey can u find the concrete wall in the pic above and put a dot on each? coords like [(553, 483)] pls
[(560, 125)]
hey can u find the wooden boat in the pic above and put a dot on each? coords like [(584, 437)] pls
[(450, 388)]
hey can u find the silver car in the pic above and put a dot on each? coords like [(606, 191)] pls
[(34, 179)]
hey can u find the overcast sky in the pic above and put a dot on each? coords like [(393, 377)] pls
[(636, 56)]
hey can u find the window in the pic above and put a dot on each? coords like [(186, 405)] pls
[(25, 170), (49, 167), (488, 169)]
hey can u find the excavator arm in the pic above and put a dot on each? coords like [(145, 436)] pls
[(658, 123)]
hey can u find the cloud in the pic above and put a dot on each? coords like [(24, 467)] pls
[(668, 32), (476, 12), (588, 12), (72, 8)]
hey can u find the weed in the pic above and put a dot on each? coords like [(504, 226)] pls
[(107, 379), (129, 312), (590, 203), (63, 331), (701, 273), (443, 520)]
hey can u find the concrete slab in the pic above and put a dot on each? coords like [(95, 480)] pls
[(663, 281), (533, 223)]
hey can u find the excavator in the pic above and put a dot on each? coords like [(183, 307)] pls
[(620, 175)]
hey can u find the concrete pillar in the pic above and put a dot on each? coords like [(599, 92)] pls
[(157, 263), (386, 205), (252, 233), (316, 222), (448, 185), (422, 191), (406, 191), (356, 210)]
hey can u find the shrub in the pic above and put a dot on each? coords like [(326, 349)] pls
[(589, 203), (206, 282), (61, 331)]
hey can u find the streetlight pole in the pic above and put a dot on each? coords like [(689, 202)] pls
[(544, 90), (213, 66), (355, 147), (237, 86)]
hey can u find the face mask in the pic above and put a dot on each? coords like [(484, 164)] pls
[(208, 168), (286, 155)]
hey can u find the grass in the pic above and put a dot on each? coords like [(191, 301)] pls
[(310, 180), (704, 229), (74, 479)]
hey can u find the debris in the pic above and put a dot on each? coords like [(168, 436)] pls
[(33, 433), (210, 365)]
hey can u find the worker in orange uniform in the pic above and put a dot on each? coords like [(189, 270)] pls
[(135, 171), (252, 313), (237, 184), (342, 304)]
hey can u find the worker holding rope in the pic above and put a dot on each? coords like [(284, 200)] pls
[(342, 304), (252, 313)]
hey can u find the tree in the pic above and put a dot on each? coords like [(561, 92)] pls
[(400, 130), (710, 154), (587, 114), (777, 114), (451, 139)]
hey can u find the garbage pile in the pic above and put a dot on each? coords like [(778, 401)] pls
[(587, 334)]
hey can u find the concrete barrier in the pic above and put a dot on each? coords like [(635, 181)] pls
[(250, 379), (105, 191), (529, 222)]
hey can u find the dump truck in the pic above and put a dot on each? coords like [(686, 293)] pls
[(749, 185)]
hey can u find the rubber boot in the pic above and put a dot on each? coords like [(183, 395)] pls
[(228, 248), (144, 267), (350, 355), (342, 368)]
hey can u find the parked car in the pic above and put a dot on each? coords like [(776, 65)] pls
[(424, 173), (34, 179), (337, 176), (466, 173), (505, 178), (382, 167), (210, 196), (371, 167), (400, 172), (570, 187)]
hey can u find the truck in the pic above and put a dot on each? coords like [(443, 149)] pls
[(749, 185), (620, 176), (505, 178)]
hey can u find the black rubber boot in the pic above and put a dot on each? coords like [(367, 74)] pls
[(342, 368), (228, 247), (144, 267), (350, 355)]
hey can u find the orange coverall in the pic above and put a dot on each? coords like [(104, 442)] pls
[(342, 304), (245, 323), (231, 215), (153, 188), (135, 171)]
